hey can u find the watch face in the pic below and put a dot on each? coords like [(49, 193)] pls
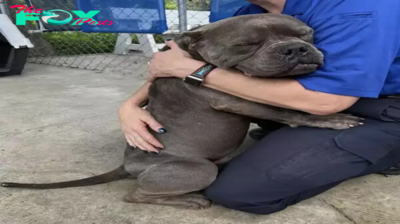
[(193, 81), (204, 70)]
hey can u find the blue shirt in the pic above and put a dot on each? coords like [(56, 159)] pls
[(360, 40)]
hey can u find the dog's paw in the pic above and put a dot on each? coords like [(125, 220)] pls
[(196, 203), (337, 121)]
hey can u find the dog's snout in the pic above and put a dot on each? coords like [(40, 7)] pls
[(295, 50)]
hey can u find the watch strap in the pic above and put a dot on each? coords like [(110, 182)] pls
[(197, 77)]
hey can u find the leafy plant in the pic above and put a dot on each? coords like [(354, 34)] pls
[(76, 43), (171, 4)]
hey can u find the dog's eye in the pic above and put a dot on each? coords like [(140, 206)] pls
[(245, 44)]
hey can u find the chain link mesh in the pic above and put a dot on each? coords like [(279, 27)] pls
[(65, 45)]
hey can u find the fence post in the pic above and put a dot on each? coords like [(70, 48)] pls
[(182, 10), (4, 8)]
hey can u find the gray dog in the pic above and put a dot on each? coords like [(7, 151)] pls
[(205, 125)]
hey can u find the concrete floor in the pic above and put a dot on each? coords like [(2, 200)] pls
[(59, 123)]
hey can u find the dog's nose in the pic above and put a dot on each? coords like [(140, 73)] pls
[(295, 51)]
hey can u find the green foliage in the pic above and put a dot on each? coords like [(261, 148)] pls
[(198, 5), (171, 4), (76, 43)]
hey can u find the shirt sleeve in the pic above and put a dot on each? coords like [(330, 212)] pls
[(358, 49)]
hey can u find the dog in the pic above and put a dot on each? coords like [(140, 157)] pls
[(206, 125)]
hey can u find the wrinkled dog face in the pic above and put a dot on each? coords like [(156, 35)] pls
[(262, 45)]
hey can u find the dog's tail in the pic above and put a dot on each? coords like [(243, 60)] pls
[(117, 174)]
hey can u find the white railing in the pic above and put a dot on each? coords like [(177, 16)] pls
[(147, 44)]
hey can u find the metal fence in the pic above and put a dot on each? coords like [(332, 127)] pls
[(125, 53)]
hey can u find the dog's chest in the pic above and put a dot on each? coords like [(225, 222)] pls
[(190, 121), (174, 95)]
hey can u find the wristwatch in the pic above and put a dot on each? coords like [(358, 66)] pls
[(197, 77)]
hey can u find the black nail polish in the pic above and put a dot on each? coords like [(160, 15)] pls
[(162, 130), (160, 148), (146, 152), (155, 153)]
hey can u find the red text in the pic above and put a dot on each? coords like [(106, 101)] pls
[(26, 10), (89, 20)]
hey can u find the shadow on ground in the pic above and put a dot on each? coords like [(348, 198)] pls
[(59, 123)]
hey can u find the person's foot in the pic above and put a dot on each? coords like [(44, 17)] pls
[(394, 170), (258, 133)]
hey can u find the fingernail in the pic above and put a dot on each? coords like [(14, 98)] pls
[(160, 148), (162, 130), (146, 152), (154, 153)]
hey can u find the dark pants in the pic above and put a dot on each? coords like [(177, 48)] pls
[(293, 164)]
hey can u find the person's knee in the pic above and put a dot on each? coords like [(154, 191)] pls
[(216, 194), (242, 199)]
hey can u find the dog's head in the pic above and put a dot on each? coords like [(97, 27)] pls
[(262, 45)]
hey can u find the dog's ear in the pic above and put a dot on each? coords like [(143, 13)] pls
[(193, 33), (191, 39)]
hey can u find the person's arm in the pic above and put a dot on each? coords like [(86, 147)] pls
[(134, 121), (139, 98), (358, 48), (284, 93)]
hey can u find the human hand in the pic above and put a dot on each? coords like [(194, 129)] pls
[(134, 121), (172, 63)]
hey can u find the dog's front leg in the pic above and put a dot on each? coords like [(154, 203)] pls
[(292, 118)]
